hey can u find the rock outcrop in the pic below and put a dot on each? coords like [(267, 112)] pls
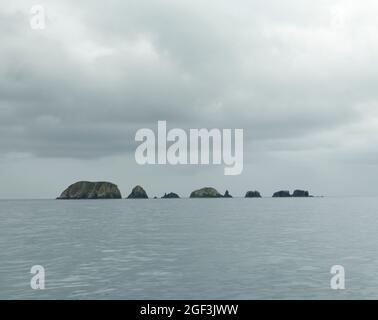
[(282, 194), (170, 195), (138, 193), (253, 194), (227, 195), (301, 193), (296, 194), (91, 190), (206, 193)]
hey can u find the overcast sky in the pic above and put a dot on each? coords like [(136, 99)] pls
[(300, 77)]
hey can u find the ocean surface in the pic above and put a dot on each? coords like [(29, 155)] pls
[(189, 248)]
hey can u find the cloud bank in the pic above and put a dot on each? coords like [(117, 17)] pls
[(300, 79)]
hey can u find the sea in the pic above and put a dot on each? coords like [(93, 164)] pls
[(269, 248)]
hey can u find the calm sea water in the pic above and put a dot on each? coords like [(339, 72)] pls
[(189, 249)]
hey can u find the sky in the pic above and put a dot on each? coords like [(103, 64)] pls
[(299, 77)]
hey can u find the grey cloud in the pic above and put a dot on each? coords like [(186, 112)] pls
[(283, 72)]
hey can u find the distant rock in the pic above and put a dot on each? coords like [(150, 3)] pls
[(206, 193), (138, 193), (91, 190), (170, 195), (253, 194), (301, 193), (281, 194), (227, 195)]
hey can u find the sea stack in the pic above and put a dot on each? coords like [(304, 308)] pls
[(282, 194), (227, 195), (253, 194), (91, 190), (170, 195), (206, 193), (301, 194), (138, 193)]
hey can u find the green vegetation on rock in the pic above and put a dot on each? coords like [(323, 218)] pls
[(206, 193), (91, 190), (138, 193)]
